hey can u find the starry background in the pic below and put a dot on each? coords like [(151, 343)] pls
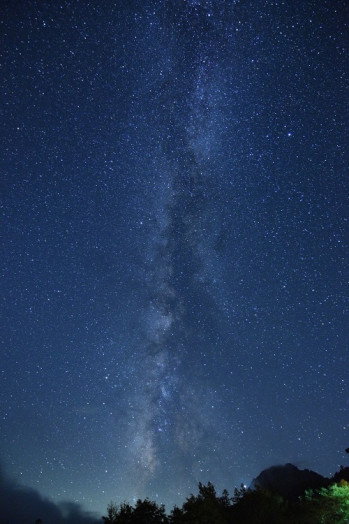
[(174, 194)]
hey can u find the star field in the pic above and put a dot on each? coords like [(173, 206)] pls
[(175, 244)]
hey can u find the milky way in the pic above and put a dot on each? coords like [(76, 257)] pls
[(175, 192)]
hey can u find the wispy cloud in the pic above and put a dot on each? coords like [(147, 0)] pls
[(21, 505)]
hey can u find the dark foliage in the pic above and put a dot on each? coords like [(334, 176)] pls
[(206, 507), (144, 512), (342, 474)]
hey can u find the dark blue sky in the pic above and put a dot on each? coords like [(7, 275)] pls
[(175, 190)]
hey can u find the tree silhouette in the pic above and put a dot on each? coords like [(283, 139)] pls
[(328, 505), (259, 507), (144, 512), (204, 508)]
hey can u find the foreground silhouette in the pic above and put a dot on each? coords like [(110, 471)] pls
[(328, 504), (279, 495)]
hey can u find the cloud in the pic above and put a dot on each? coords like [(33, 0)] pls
[(21, 505)]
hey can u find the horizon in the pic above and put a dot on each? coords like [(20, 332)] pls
[(34, 505), (71, 508)]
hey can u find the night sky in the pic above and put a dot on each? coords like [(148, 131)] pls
[(174, 244)]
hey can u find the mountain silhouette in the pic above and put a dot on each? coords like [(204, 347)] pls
[(289, 481)]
